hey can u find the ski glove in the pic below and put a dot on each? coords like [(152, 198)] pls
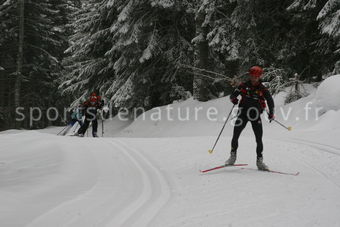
[(271, 117), (234, 101)]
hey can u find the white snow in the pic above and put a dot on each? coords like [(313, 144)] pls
[(146, 55), (148, 174), (327, 8), (7, 2), (162, 3), (328, 93), (125, 12)]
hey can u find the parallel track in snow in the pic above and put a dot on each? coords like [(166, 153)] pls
[(319, 147), (155, 192), (128, 190)]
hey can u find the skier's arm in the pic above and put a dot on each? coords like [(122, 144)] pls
[(100, 104), (85, 105), (83, 108), (270, 101), (236, 92)]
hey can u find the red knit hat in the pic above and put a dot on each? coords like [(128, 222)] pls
[(256, 71), (93, 98)]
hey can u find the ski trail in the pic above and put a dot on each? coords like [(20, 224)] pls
[(242, 198), (155, 195), (127, 189), (111, 191), (317, 143), (319, 148)]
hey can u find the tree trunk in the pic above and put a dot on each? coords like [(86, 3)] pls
[(202, 54), (3, 83), (20, 56)]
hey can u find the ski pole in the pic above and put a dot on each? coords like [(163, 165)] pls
[(288, 128), (102, 128), (62, 130), (225, 123)]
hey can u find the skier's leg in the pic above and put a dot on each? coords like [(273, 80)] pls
[(94, 128), (80, 122), (84, 127), (258, 131), (72, 122), (240, 124)]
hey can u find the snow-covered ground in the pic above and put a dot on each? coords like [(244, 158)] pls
[(147, 175)]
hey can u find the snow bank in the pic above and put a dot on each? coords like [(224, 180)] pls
[(280, 98), (328, 94), (328, 122), (304, 114), (188, 118), (309, 114), (56, 181)]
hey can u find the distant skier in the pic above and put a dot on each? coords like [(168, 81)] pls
[(76, 117), (90, 108), (253, 102)]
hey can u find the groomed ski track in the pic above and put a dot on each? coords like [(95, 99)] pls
[(68, 181)]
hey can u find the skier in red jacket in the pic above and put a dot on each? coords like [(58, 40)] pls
[(90, 108), (254, 96)]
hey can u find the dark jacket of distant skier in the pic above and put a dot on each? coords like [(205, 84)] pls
[(254, 96), (90, 108)]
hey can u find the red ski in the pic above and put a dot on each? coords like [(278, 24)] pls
[(221, 167), (273, 171)]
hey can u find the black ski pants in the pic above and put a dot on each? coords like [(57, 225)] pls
[(86, 124), (254, 116)]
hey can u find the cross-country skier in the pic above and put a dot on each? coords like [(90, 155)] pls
[(76, 116), (91, 107), (254, 96)]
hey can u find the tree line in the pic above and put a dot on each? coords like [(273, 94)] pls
[(148, 53)]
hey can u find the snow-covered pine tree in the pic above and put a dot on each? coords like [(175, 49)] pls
[(223, 41), (236, 40), (202, 25), (131, 51), (151, 39), (44, 41), (216, 46), (313, 46), (7, 59), (329, 18), (86, 67)]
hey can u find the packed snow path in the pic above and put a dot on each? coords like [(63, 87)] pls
[(92, 183), (47, 180)]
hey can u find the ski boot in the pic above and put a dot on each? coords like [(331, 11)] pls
[(232, 159), (260, 164), (95, 134), (79, 134)]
